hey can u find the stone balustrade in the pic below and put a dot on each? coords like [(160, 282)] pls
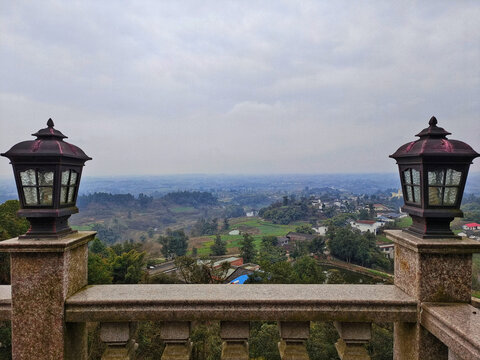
[(49, 304)]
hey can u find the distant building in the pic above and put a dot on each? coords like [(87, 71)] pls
[(380, 208), (321, 230), (366, 225), (471, 226), (388, 250), (234, 232), (252, 213)]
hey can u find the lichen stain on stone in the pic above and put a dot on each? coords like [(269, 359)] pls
[(404, 265)]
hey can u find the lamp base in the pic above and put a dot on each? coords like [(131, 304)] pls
[(48, 227), (429, 228)]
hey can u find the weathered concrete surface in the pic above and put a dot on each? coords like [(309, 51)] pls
[(381, 303), (44, 274), (456, 325), (119, 341)]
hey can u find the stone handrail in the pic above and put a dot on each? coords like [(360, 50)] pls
[(456, 325), (375, 303)]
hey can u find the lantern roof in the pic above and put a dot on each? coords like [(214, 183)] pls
[(49, 142), (433, 142)]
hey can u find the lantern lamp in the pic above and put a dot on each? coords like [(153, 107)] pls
[(433, 171), (47, 174)]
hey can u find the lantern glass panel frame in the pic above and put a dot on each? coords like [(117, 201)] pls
[(444, 185), (36, 186), (411, 178)]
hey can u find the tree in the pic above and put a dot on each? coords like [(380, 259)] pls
[(247, 249), (263, 341), (219, 247), (175, 243), (127, 268), (226, 225), (99, 270), (269, 251), (98, 247), (305, 229), (317, 245), (10, 226)]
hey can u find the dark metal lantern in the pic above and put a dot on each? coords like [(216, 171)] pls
[(433, 172), (47, 173)]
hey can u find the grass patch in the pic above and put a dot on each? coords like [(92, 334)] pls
[(382, 239), (403, 222), (476, 294), (380, 273)]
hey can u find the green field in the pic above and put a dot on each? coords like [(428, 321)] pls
[(183, 209), (254, 226), (87, 227)]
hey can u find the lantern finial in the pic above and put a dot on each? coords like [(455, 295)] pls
[(50, 123), (433, 121)]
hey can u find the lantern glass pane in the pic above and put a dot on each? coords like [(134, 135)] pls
[(73, 178), (71, 191), (416, 193), (435, 177), (407, 177), (453, 177), (28, 177), (415, 177), (434, 195), (409, 193), (45, 178), (63, 195), (450, 196), (65, 175), (46, 195), (30, 194)]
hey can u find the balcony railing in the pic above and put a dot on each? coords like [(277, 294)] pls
[(50, 301)]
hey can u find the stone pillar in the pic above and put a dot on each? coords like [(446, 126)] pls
[(119, 341), (430, 270), (44, 272), (235, 336), (353, 338), (293, 335), (176, 335)]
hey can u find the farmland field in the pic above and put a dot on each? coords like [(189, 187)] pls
[(251, 225)]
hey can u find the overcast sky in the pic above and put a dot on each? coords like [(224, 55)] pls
[(168, 87)]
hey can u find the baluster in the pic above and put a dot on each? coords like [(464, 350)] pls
[(293, 336), (119, 341), (353, 337), (176, 335), (235, 336)]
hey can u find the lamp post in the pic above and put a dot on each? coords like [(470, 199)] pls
[(433, 171), (47, 174)]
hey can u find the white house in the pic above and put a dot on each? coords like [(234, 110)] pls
[(367, 225), (321, 230)]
